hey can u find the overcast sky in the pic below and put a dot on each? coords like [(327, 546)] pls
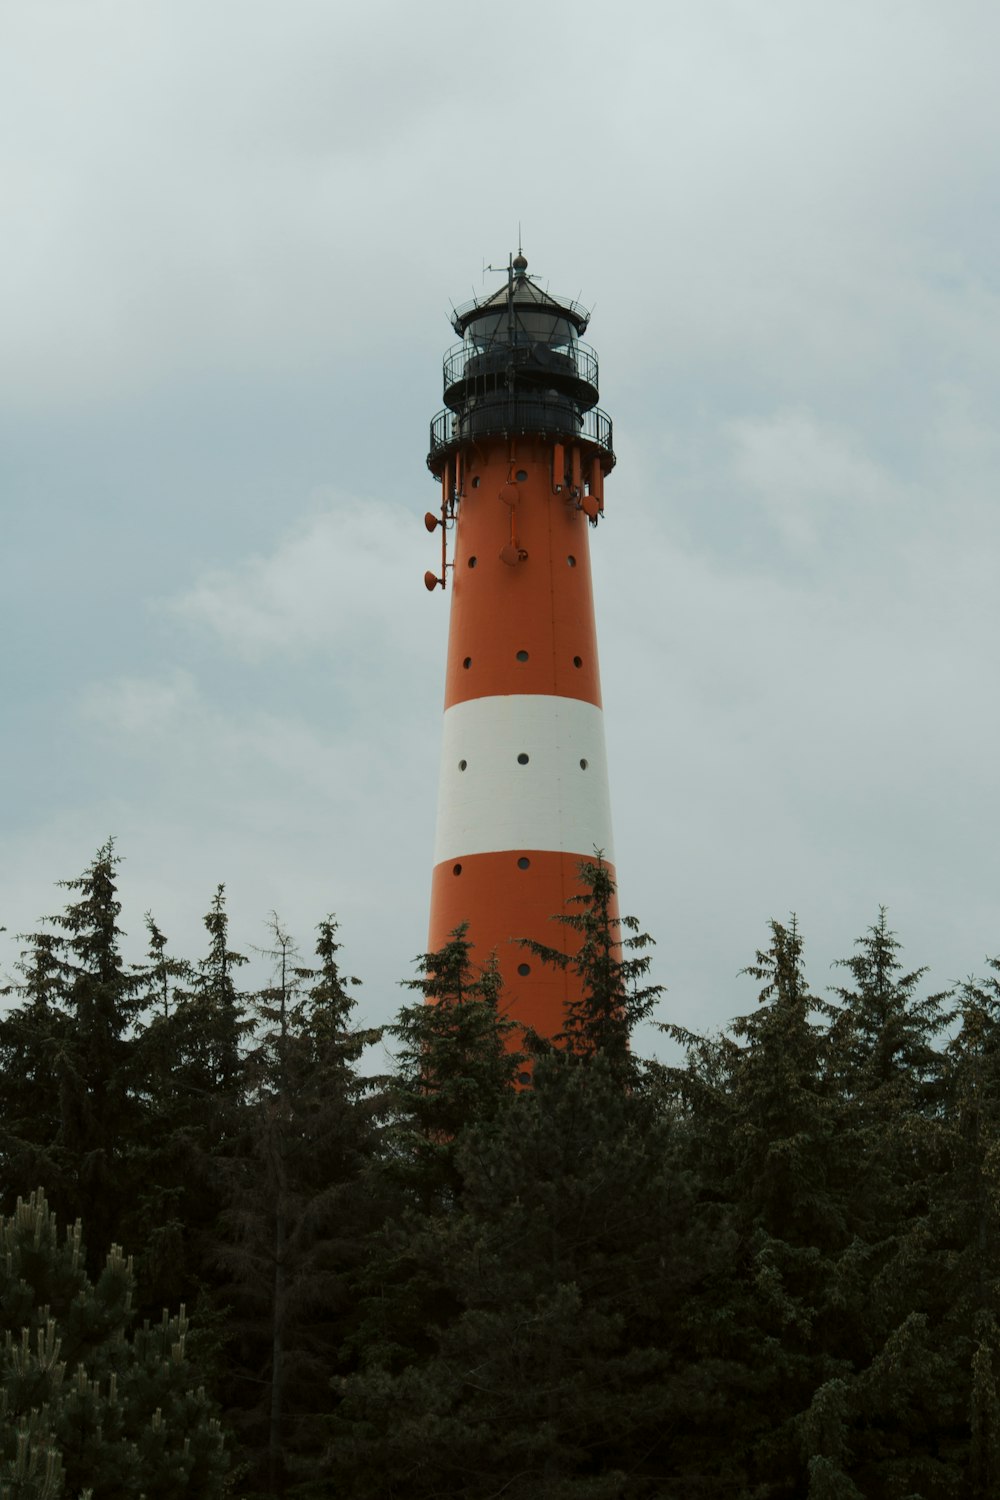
[(232, 231)]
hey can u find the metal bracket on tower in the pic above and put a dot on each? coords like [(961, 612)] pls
[(512, 552), (446, 520)]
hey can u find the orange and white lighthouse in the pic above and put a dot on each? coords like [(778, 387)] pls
[(521, 451)]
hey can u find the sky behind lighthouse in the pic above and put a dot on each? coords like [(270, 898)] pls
[(233, 234)]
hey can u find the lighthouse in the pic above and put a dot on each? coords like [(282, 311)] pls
[(521, 452)]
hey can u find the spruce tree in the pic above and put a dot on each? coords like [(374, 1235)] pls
[(887, 1071), (298, 1204), (549, 1294), (900, 1403), (761, 1130), (76, 1027), (454, 1069), (573, 1275), (608, 960), (455, 1063), (216, 1021), (33, 1036), (966, 1218), (188, 1053)]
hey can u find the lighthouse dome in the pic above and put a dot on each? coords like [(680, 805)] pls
[(520, 313)]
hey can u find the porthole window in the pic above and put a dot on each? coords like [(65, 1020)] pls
[(571, 561), (523, 862), (578, 661), (524, 1078), (475, 483), (522, 759), (473, 561), (462, 765), (521, 475), (467, 663), (584, 764), (522, 656), (523, 969), (456, 869)]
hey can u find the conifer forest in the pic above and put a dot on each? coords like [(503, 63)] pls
[(235, 1263)]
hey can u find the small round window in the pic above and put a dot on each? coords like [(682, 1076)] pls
[(571, 561), (521, 475), (456, 869), (522, 759), (578, 661), (467, 663), (523, 862), (523, 969), (522, 656), (462, 765), (473, 561)]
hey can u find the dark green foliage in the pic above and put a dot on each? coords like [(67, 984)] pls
[(32, 1037), (299, 1200), (534, 1336), (191, 1073), (761, 1129), (455, 1064), (887, 1081), (565, 1364), (888, 1076), (966, 1220), (90, 1403), (768, 1274), (610, 997), (454, 1070), (68, 1077)]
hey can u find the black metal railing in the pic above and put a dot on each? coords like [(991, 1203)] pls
[(546, 416), (465, 362)]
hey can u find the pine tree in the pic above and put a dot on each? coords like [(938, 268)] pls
[(87, 1402)]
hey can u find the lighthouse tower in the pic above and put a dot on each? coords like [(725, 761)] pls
[(521, 452)]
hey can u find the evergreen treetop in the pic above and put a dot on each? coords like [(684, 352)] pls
[(609, 962)]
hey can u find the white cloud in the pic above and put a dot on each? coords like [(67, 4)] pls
[(344, 581)]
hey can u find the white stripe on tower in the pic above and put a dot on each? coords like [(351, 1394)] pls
[(525, 771)]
